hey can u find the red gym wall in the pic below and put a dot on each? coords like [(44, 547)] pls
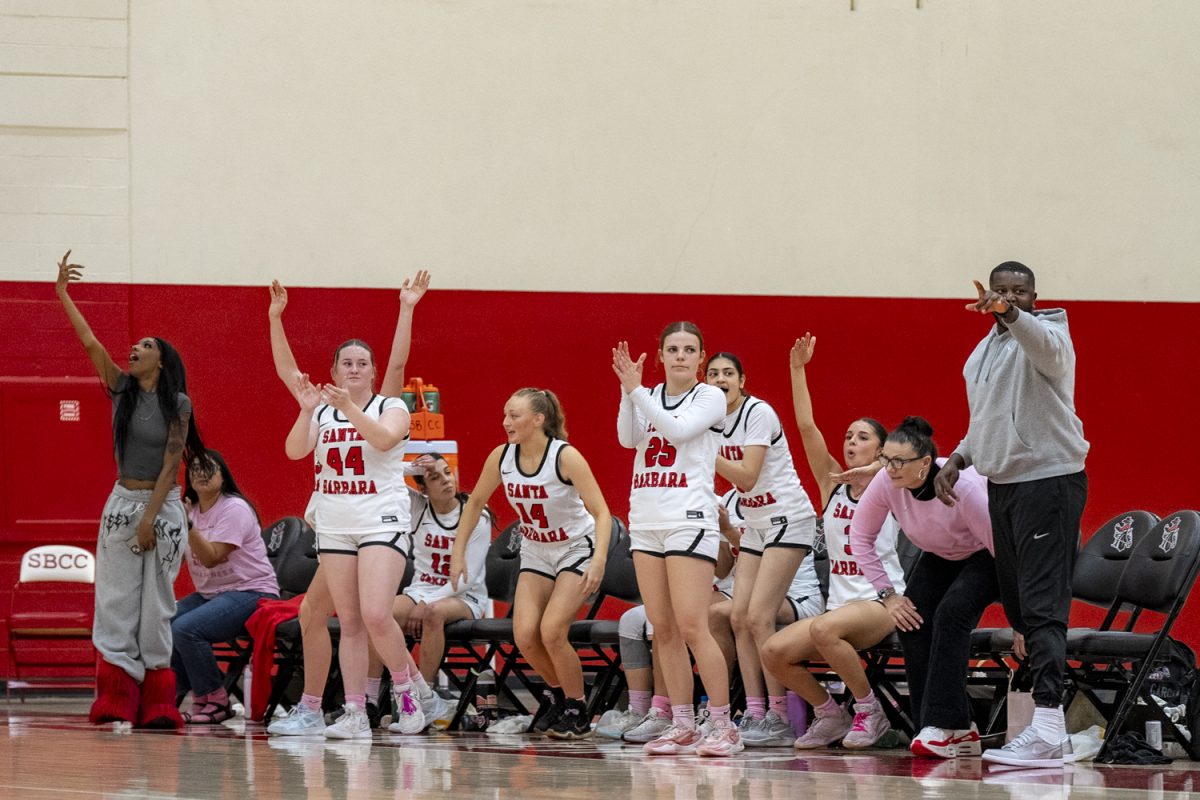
[(878, 357)]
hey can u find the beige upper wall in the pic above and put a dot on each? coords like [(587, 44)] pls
[(674, 146)]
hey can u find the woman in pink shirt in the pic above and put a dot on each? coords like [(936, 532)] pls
[(228, 563), (948, 590)]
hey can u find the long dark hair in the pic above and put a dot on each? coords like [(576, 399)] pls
[(918, 433), (215, 461), (172, 382)]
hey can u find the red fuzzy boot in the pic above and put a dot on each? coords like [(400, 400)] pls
[(117, 695), (158, 709)]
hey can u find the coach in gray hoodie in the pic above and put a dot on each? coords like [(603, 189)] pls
[(1025, 437)]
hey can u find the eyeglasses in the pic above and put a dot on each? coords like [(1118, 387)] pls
[(896, 463)]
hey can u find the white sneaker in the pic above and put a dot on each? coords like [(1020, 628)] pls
[(946, 742), (1031, 750), (704, 723), (770, 731), (614, 723), (352, 724), (300, 721), (652, 726), (409, 718), (435, 709)]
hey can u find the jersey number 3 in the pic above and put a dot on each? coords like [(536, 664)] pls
[(659, 453)]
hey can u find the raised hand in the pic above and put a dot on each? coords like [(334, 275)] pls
[(278, 300), (307, 395), (337, 397), (989, 302), (802, 350), (628, 371), (412, 291), (67, 274)]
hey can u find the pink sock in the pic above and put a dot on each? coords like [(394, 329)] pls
[(359, 700), (311, 702), (719, 714), (827, 709), (662, 703), (401, 680), (870, 698), (756, 707), (373, 688), (639, 702), (778, 704), (684, 716)]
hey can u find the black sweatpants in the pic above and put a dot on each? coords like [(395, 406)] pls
[(1035, 526), (950, 596)]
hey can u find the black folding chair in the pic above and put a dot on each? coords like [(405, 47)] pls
[(471, 645), (1158, 578), (597, 640)]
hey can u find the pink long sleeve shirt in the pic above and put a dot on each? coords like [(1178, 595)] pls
[(951, 532)]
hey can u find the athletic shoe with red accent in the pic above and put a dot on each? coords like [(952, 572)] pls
[(675, 741), (723, 741), (870, 723), (946, 742)]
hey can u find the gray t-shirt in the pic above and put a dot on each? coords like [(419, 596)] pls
[(146, 440)]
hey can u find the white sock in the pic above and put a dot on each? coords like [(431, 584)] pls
[(423, 690), (1050, 724)]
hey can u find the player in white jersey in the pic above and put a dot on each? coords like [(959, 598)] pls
[(673, 528), (565, 527), (359, 501), (855, 620), (779, 528), (429, 602)]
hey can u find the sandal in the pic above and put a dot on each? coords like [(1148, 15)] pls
[(209, 713)]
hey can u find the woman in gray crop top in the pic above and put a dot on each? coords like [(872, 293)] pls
[(143, 529)]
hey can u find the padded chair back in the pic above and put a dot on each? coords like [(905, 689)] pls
[(288, 543), (1163, 565), (820, 557), (503, 564), (58, 562), (907, 553), (620, 579), (1103, 559)]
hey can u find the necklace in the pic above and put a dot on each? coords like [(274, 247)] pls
[(151, 406)]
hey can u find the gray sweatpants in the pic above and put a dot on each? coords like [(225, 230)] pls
[(135, 594)]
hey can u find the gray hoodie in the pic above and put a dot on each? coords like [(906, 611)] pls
[(1021, 392)]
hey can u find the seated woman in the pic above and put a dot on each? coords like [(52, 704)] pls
[(228, 563), (430, 603)]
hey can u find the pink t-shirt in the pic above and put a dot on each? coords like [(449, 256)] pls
[(952, 532), (231, 521)]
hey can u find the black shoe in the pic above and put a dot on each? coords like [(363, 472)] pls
[(572, 723), (548, 714)]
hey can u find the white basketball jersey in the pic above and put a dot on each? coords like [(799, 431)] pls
[(433, 541), (673, 482), (778, 496), (846, 581), (548, 507), (357, 489), (804, 584)]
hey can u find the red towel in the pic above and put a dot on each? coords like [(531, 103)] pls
[(261, 625)]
